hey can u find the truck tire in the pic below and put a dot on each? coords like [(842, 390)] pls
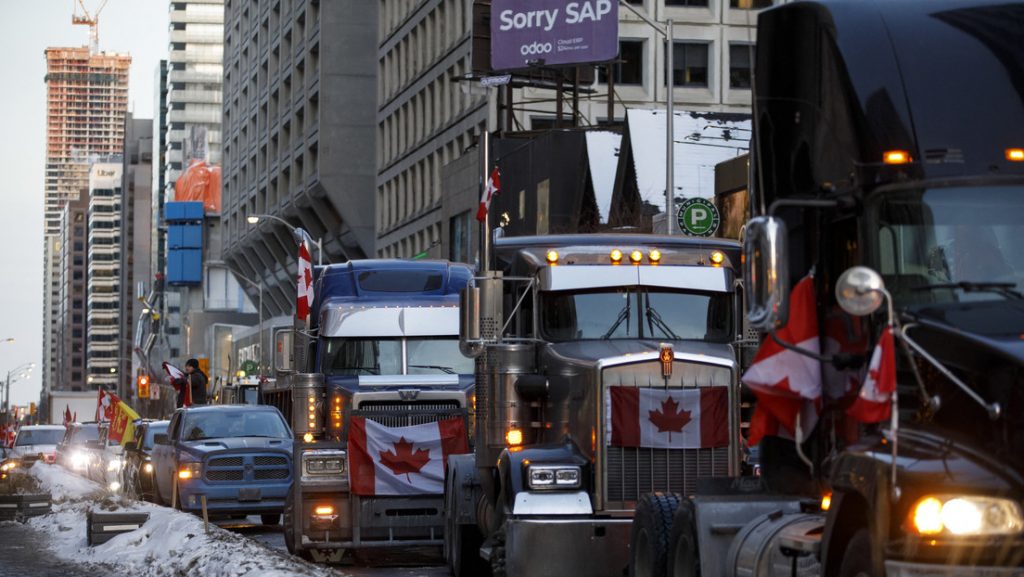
[(464, 552), (683, 552), (649, 538), (857, 561), (271, 519), (289, 529)]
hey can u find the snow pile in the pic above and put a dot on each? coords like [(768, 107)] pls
[(170, 544)]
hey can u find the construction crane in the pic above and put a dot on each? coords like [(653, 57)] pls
[(90, 20)]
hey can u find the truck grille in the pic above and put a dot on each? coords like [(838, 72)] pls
[(632, 472), (248, 468), (404, 414)]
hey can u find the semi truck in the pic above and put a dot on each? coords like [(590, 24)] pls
[(887, 166), (378, 364), (80, 403), (607, 371)]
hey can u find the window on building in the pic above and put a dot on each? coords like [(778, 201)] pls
[(458, 231), (689, 3), (741, 58), (542, 122), (749, 4), (690, 64), (629, 68)]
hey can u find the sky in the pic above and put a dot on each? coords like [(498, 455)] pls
[(138, 27)]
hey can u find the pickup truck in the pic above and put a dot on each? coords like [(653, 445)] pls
[(237, 456)]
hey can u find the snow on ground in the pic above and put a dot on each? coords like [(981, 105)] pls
[(170, 544)]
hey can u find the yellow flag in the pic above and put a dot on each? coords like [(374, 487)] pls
[(122, 426)]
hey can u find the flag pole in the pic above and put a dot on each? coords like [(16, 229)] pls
[(485, 226)]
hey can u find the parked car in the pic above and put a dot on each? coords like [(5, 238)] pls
[(72, 453), (35, 442), (137, 472), (239, 457), (105, 459)]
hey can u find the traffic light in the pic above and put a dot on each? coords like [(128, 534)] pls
[(143, 387), (32, 409)]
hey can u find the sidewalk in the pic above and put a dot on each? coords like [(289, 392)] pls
[(23, 553)]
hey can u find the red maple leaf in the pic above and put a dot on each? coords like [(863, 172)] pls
[(669, 418), (403, 461)]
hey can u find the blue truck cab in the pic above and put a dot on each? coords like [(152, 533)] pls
[(236, 456), (383, 345)]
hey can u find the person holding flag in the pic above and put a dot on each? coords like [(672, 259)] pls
[(190, 384)]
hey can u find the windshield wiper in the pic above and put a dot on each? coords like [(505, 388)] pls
[(371, 370), (448, 370), (623, 316), (1003, 288), (654, 320)]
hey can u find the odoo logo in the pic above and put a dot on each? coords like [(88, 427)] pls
[(535, 48)]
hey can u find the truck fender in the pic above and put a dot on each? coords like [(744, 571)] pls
[(860, 500), (462, 489), (512, 467)]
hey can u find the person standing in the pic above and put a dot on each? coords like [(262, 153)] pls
[(197, 381)]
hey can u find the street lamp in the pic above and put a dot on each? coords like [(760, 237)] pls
[(8, 340), (259, 287), (7, 385), (299, 233), (670, 153)]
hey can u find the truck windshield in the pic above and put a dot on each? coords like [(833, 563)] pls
[(425, 356), (951, 244), (86, 433), (636, 313), (234, 423), (39, 437)]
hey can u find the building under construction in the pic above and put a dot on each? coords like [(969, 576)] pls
[(87, 100)]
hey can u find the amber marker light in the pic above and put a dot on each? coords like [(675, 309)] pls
[(616, 256), (654, 256), (185, 474), (826, 501), (717, 258), (636, 256), (1015, 154), (896, 157), (928, 516), (552, 257), (514, 437), (323, 510), (308, 437)]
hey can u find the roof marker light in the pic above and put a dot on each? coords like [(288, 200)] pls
[(552, 257), (636, 256), (654, 256), (1015, 154), (616, 256), (896, 157), (717, 258)]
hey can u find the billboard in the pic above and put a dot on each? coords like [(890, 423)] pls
[(526, 33)]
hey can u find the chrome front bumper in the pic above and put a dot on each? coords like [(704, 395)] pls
[(541, 547), (904, 569)]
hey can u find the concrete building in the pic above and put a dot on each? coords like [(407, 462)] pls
[(299, 133), (428, 119), (195, 72), (103, 284), (87, 99), (70, 369), (136, 239)]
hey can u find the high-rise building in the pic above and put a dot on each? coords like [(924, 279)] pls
[(195, 71), (103, 284), (431, 107), (136, 238), (299, 133), (70, 369), (87, 99)]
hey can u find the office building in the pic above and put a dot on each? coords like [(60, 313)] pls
[(299, 133), (103, 282), (70, 368)]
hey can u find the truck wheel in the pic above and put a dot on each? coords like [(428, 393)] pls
[(683, 554), (464, 554), (289, 529), (271, 520), (649, 542), (857, 560)]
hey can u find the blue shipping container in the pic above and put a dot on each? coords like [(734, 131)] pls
[(183, 211), (185, 266), (185, 236)]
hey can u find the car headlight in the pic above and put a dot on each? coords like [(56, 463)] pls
[(966, 515), (8, 466), (148, 468), (188, 471), (553, 477), (324, 463), (114, 465), (79, 460)]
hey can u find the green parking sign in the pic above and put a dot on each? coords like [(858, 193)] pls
[(698, 217)]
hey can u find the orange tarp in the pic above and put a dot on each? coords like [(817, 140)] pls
[(200, 182)]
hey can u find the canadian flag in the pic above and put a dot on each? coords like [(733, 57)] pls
[(493, 187), (402, 460), (695, 418), (786, 383), (304, 288), (874, 403), (67, 416), (105, 404)]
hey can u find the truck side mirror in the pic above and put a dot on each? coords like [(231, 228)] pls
[(284, 352), (765, 273), (160, 439)]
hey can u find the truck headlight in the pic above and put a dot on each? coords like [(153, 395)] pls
[(148, 468), (188, 471), (966, 515), (553, 477), (324, 463)]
